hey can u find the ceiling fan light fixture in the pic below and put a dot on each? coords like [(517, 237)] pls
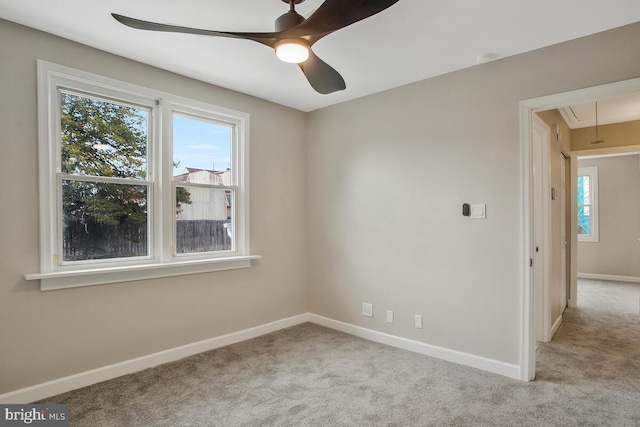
[(292, 51)]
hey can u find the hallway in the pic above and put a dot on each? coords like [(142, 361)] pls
[(597, 347)]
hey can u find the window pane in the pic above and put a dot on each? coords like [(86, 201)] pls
[(203, 220), (201, 151), (103, 221), (101, 138), (584, 193), (584, 220)]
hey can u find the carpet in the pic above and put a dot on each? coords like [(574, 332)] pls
[(308, 375)]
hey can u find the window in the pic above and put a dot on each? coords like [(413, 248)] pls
[(104, 190), (203, 194), (136, 183), (588, 204)]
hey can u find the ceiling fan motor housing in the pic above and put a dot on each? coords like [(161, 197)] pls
[(288, 20)]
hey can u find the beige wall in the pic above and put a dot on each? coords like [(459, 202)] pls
[(614, 135), (551, 118), (48, 335), (387, 175), (557, 280), (618, 251)]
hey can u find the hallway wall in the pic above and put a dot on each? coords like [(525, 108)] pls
[(618, 251)]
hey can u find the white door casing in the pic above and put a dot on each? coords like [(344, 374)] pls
[(527, 108), (563, 232)]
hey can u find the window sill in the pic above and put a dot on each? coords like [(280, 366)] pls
[(588, 240), (101, 276)]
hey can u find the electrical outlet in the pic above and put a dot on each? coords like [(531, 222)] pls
[(417, 321), (367, 309), (389, 316)]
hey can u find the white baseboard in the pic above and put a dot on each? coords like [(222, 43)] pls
[(555, 326), (609, 277), (490, 365), (83, 379)]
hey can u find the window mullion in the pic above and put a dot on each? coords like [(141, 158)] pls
[(103, 179), (164, 187)]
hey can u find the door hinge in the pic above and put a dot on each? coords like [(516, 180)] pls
[(530, 262)]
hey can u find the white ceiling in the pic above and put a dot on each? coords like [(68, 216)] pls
[(622, 108), (411, 41)]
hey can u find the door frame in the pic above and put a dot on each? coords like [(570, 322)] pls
[(564, 295), (542, 257), (527, 108)]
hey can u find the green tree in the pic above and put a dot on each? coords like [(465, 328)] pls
[(103, 139), (182, 197), (182, 194)]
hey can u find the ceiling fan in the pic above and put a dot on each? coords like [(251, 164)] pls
[(294, 35)]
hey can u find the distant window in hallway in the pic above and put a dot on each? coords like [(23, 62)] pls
[(588, 204)]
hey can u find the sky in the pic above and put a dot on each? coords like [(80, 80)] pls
[(200, 144)]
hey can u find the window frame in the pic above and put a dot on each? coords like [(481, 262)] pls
[(592, 173), (161, 261), (56, 176), (237, 179)]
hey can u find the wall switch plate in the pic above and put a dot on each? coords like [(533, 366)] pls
[(417, 321), (389, 316), (479, 211), (367, 309)]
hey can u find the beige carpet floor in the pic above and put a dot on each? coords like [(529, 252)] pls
[(589, 375)]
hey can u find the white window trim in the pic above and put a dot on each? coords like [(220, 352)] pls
[(161, 261), (592, 173)]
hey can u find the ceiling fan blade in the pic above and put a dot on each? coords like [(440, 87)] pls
[(322, 77), (333, 15), (268, 39)]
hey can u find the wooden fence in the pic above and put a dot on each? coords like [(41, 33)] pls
[(101, 241), (201, 235)]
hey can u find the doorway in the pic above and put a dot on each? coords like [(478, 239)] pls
[(529, 307)]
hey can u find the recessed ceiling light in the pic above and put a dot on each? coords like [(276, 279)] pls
[(486, 57)]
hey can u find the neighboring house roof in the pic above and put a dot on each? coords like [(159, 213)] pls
[(184, 177), (192, 170)]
